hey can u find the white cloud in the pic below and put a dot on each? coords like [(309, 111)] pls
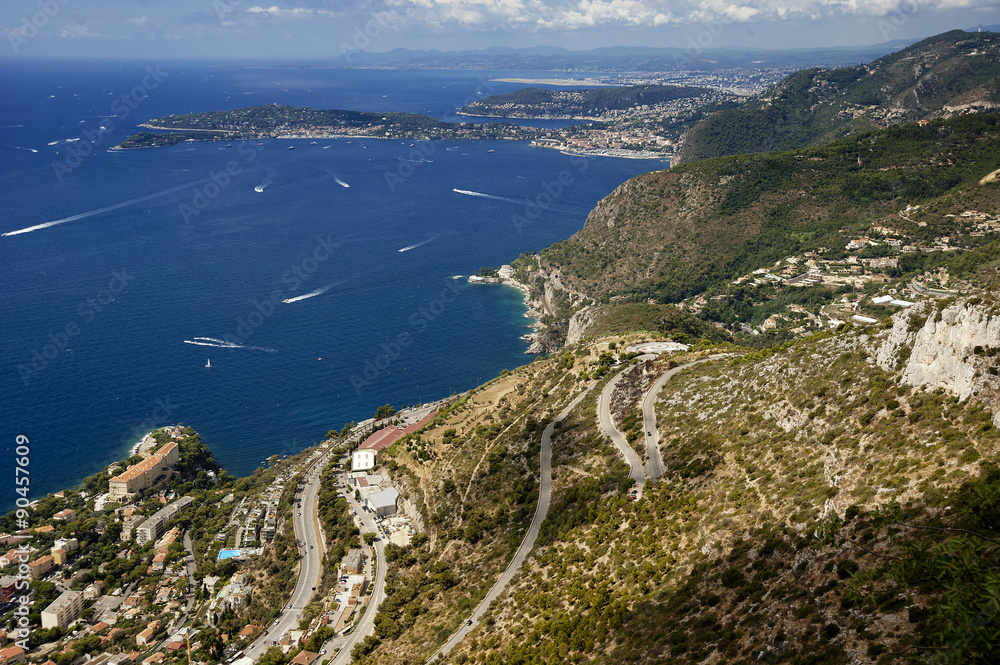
[(575, 14), (78, 30), (290, 14), (138, 20)]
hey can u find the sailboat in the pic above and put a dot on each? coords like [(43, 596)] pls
[(209, 363)]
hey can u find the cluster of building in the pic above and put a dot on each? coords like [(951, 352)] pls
[(141, 476), (363, 458), (152, 527)]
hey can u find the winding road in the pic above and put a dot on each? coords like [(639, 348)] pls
[(611, 430), (366, 626), (305, 524), (541, 510)]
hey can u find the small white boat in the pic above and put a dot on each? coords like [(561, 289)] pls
[(209, 363)]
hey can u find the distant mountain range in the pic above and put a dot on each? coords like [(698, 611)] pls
[(613, 58)]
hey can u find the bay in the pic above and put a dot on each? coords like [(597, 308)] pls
[(109, 318)]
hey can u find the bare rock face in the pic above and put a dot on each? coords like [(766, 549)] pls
[(948, 348), (578, 324)]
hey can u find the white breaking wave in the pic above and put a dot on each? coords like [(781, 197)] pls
[(222, 344), (109, 208), (312, 294), (340, 182), (23, 148), (487, 196), (419, 244)]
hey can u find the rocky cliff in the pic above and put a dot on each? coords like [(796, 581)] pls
[(954, 345)]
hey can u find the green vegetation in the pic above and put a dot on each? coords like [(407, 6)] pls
[(273, 121), (671, 235), (531, 102), (666, 320), (815, 106)]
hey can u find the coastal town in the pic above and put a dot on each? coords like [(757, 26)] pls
[(118, 571)]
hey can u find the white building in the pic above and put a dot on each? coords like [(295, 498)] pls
[(67, 544), (363, 459), (63, 611), (383, 503)]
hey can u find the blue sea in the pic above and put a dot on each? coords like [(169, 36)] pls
[(319, 281)]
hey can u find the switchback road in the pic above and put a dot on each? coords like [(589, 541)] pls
[(541, 510)]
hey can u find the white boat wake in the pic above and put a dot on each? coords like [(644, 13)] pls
[(116, 206), (340, 182), (312, 294), (260, 188), (223, 344), (486, 196), (419, 244)]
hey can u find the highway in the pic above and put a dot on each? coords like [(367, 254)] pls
[(366, 626), (610, 429), (541, 510), (654, 468), (306, 526)]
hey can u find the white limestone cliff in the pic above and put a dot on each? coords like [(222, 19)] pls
[(943, 348)]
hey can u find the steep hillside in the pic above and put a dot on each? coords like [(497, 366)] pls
[(946, 75), (821, 504), (670, 235)]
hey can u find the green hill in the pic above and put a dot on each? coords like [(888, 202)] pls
[(672, 234), (816, 508), (942, 76)]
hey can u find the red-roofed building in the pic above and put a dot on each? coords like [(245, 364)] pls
[(249, 630), (387, 436), (364, 458), (12, 654), (304, 658)]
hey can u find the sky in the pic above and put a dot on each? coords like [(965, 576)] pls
[(318, 29)]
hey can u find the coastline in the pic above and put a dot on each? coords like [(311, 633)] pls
[(531, 117), (530, 312), (611, 152), (561, 82)]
